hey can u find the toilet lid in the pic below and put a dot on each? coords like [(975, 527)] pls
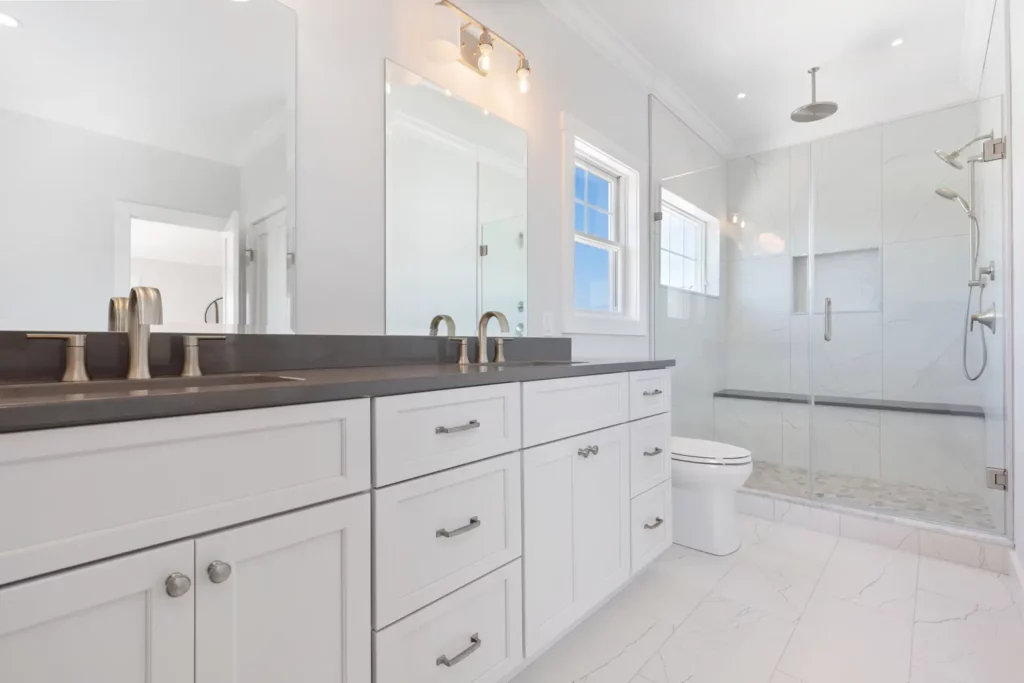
[(708, 452)]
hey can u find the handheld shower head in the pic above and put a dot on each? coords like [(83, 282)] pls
[(947, 193), (951, 158)]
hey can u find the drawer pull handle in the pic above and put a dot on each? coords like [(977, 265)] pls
[(588, 451), (474, 523), (472, 424), (658, 522), (475, 643), (651, 454), (656, 392)]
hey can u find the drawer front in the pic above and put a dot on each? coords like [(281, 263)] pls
[(416, 434), (436, 534), (650, 393), (474, 635), (130, 485), (559, 408), (651, 521), (650, 457)]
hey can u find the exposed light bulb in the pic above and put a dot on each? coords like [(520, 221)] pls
[(7, 21), (897, 42), (523, 74), (741, 96), (486, 48)]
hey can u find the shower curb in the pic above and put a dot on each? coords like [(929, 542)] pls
[(961, 546)]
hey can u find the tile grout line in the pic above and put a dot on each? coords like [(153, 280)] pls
[(913, 618), (814, 591)]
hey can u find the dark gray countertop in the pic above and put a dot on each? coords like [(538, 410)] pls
[(137, 403)]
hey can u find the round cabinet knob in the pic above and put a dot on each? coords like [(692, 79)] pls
[(218, 571), (177, 584)]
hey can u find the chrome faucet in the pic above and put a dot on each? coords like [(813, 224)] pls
[(481, 334), (145, 308)]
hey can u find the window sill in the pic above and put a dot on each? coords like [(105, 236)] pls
[(580, 322)]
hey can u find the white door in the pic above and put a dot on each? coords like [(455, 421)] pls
[(113, 621), (600, 514), (548, 592), (287, 598)]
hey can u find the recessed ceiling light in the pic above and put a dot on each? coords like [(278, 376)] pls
[(7, 21), (741, 96), (897, 42), (448, 92)]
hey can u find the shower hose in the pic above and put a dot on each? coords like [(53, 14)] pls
[(967, 327)]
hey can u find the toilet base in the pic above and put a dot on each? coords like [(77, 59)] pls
[(705, 519)]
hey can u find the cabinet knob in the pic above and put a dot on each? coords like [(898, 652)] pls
[(177, 584), (218, 571)]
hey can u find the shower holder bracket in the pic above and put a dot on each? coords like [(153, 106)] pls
[(995, 150), (997, 479)]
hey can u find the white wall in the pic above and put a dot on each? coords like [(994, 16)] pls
[(60, 185), (688, 327), (342, 48), (187, 288)]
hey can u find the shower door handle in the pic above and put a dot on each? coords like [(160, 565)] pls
[(828, 319)]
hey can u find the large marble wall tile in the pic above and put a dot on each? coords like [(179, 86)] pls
[(849, 365), (848, 190), (910, 174), (846, 441), (796, 436), (939, 452), (757, 325), (799, 196), (754, 425), (758, 192), (927, 271)]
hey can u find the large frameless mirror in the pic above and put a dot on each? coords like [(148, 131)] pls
[(148, 143), (456, 209)]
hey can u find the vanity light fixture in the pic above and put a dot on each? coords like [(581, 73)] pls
[(7, 21), (476, 47)]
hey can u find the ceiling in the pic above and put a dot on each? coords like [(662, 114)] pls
[(702, 53), (201, 77)]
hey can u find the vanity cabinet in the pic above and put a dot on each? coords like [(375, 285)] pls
[(576, 528)]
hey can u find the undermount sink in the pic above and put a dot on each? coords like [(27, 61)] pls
[(136, 387)]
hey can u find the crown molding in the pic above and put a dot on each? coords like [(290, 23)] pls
[(609, 42)]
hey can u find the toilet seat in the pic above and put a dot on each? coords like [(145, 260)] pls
[(701, 452)]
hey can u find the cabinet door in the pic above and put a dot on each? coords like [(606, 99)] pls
[(547, 543), (112, 622), (600, 514), (287, 598)]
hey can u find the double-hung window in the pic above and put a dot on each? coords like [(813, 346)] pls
[(689, 250), (599, 245)]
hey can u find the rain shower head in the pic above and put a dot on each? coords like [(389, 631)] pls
[(815, 111), (951, 158), (947, 193)]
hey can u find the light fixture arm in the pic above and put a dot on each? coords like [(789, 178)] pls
[(471, 20)]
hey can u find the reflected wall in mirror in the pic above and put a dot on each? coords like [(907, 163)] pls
[(148, 143), (456, 209)]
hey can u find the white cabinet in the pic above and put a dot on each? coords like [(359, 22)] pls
[(559, 408), (651, 519), (113, 621), (650, 444), (576, 521), (650, 393), (292, 601)]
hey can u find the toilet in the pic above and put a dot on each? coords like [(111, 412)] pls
[(705, 477)]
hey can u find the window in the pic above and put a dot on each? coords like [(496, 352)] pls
[(604, 247), (689, 247), (598, 253)]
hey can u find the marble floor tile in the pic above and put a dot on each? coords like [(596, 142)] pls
[(797, 606)]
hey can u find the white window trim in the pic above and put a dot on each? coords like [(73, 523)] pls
[(710, 223), (634, 288)]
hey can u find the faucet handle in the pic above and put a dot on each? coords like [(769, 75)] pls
[(499, 349), (463, 343), (190, 368), (74, 347)]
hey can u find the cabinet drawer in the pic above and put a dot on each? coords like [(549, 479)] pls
[(416, 434), (474, 635), (85, 493), (650, 393), (436, 534), (651, 521), (650, 457), (558, 408)]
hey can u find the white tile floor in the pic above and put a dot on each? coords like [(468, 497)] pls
[(797, 606)]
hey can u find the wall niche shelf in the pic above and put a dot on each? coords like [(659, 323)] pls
[(852, 279)]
